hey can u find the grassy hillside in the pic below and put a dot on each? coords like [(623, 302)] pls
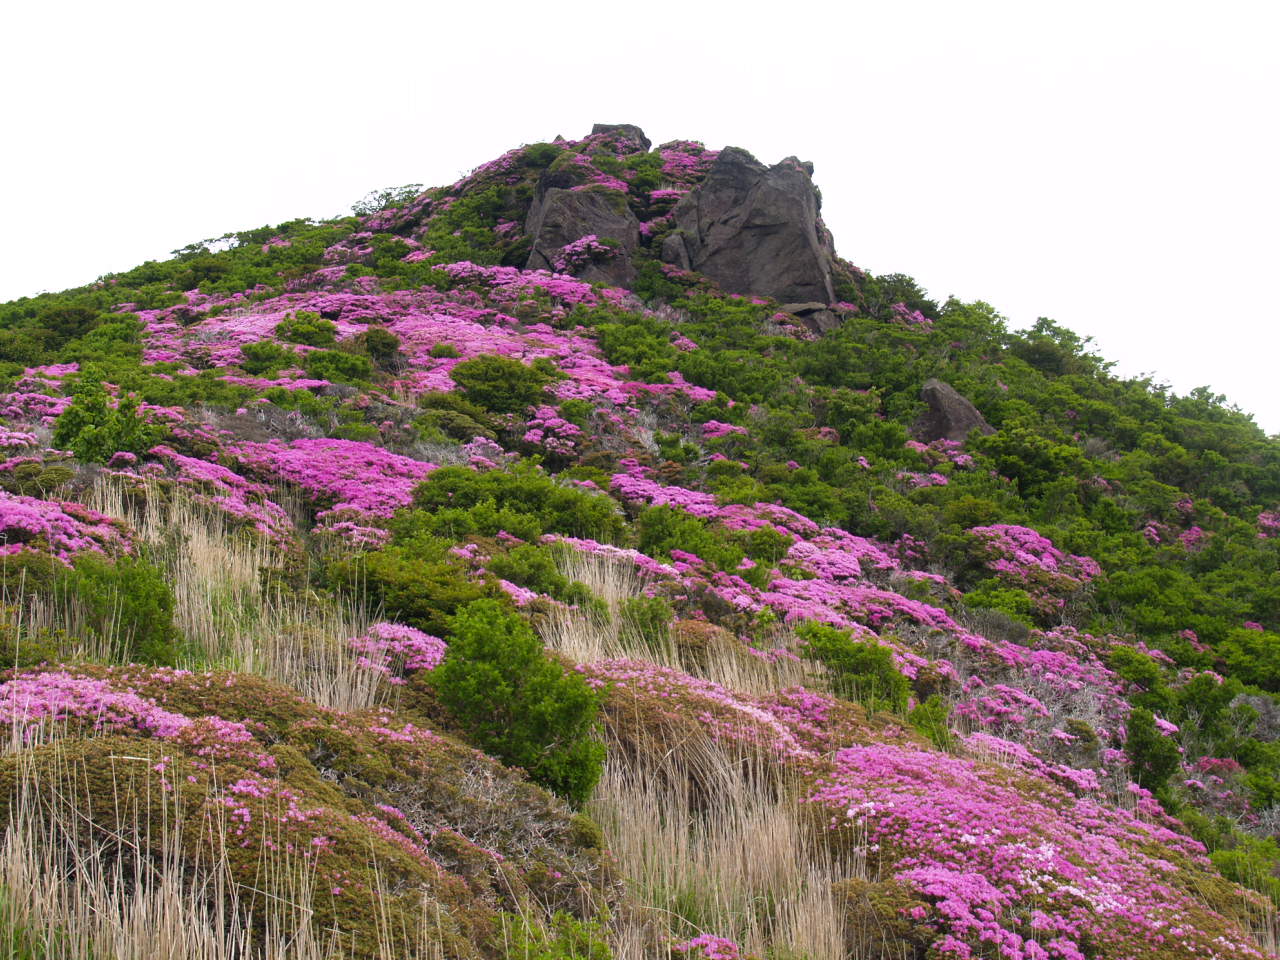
[(367, 595)]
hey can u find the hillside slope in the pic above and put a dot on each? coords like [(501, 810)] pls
[(584, 560)]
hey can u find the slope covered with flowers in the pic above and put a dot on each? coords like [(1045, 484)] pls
[(1022, 686)]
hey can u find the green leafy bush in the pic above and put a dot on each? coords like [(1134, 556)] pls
[(338, 367), (860, 670), (265, 358), (127, 603), (932, 719), (550, 506), (1254, 657), (564, 938), (382, 345), (500, 384), (307, 327), (662, 529), (93, 429), (534, 567), (519, 704), (1154, 756), (415, 583), (647, 620)]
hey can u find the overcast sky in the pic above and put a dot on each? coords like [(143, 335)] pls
[(1112, 165)]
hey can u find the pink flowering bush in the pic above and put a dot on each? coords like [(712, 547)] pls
[(392, 650), (344, 477), (1023, 558), (59, 528), (1020, 870)]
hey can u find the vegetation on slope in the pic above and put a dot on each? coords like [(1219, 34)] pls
[(829, 690)]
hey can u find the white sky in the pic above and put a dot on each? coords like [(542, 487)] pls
[(1111, 165)]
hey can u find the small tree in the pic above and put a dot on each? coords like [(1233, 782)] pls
[(500, 384), (519, 704), (93, 430), (861, 670), (1154, 756)]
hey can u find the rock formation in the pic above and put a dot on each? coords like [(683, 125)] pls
[(561, 215), (950, 415), (755, 230)]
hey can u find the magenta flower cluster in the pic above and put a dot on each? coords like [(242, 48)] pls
[(392, 650), (348, 478), (59, 528)]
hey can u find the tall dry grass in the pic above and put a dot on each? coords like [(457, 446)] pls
[(710, 840), (586, 635), (231, 616), (70, 890), (715, 843)]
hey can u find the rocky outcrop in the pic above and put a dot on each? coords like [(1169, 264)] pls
[(950, 415), (751, 228), (755, 229), (627, 132), (561, 215)]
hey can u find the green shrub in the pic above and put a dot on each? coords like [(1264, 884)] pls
[(417, 583), (265, 358), (500, 384), (648, 620), (127, 603), (338, 367), (382, 345), (1254, 657), (534, 568), (445, 351), (932, 719), (564, 938), (307, 327), (1154, 756), (452, 424), (519, 704), (1014, 603), (21, 648), (93, 429), (1251, 863), (550, 506), (664, 528), (861, 670)]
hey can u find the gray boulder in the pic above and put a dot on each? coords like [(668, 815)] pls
[(950, 415), (561, 215), (624, 131), (816, 316), (755, 229)]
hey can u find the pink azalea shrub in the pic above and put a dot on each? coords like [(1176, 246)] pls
[(59, 528), (1021, 869), (344, 477), (392, 649)]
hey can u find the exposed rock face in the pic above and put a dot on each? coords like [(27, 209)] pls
[(950, 415), (755, 230), (623, 131), (752, 228), (816, 316), (562, 215)]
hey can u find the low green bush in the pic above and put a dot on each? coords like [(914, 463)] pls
[(94, 430), (861, 670), (307, 327), (126, 602), (501, 384), (519, 704), (337, 366)]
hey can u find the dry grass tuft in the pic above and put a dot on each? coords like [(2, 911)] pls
[(738, 857), (587, 636), (231, 614)]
